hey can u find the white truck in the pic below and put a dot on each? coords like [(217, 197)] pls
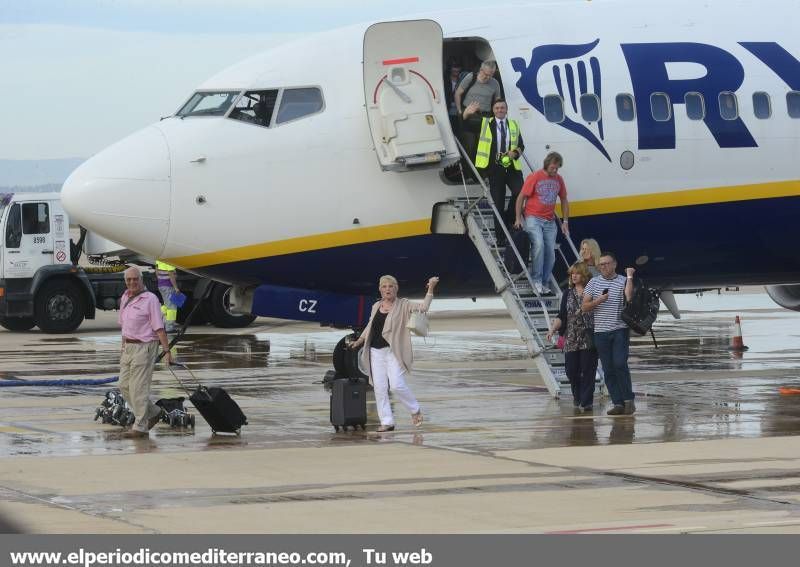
[(42, 283)]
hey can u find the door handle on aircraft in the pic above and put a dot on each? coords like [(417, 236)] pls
[(47, 251), (13, 251), (403, 96), (198, 159)]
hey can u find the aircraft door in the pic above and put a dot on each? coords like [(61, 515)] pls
[(404, 93)]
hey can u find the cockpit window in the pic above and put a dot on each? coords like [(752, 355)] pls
[(208, 104), (255, 107), (296, 103)]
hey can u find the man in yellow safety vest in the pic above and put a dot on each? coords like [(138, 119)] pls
[(167, 286), (497, 159)]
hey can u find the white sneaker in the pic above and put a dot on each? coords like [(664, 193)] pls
[(546, 290), (538, 288)]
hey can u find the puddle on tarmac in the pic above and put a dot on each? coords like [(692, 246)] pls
[(275, 376)]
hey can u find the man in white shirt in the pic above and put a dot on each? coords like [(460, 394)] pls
[(500, 147)]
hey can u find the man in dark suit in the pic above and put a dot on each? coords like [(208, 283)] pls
[(500, 146)]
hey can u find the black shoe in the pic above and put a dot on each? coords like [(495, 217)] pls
[(151, 423), (616, 410), (588, 409), (630, 407)]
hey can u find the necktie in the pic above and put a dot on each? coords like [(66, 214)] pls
[(502, 136)]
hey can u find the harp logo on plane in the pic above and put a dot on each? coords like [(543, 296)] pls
[(574, 72)]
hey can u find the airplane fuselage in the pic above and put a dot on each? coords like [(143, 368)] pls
[(700, 201)]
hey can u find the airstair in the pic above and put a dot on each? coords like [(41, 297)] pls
[(530, 311)]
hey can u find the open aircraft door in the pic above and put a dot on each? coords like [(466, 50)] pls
[(404, 92)]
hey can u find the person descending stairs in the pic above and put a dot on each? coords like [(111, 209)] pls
[(528, 305)]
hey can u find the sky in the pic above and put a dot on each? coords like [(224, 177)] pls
[(78, 75)]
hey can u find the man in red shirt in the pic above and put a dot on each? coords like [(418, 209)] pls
[(142, 331), (538, 197)]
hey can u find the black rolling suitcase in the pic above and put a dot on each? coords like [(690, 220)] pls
[(215, 405), (349, 403), (520, 239)]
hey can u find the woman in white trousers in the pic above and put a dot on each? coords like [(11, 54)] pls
[(388, 355)]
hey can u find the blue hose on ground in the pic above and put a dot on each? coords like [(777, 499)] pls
[(74, 382)]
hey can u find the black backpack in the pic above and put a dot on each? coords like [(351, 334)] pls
[(642, 310)]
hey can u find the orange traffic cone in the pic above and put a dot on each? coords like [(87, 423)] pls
[(737, 344)]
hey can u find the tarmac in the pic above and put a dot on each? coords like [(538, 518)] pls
[(712, 448)]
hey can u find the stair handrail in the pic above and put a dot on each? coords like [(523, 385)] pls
[(499, 220)]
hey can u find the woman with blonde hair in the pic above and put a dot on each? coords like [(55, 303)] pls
[(387, 355), (577, 328), (590, 255)]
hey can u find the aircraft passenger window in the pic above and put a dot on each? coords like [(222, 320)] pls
[(625, 108), (208, 104), (35, 218), (695, 106), (14, 228), (255, 107), (762, 107), (590, 107), (297, 103), (728, 108), (793, 103), (660, 107), (553, 108)]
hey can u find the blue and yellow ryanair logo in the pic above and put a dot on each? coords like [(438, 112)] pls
[(571, 71), (573, 75)]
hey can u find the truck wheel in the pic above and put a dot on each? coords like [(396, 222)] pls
[(59, 306), (219, 313), (18, 323)]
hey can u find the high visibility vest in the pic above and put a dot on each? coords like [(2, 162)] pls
[(163, 269), (482, 156)]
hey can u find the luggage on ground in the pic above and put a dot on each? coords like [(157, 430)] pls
[(215, 405), (349, 403), (218, 409)]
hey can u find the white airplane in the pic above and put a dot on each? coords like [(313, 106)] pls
[(302, 174)]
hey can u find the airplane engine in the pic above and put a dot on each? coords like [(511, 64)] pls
[(787, 296)]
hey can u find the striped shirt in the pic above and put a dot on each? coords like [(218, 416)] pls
[(607, 314)]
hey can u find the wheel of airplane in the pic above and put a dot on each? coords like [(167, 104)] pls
[(17, 323), (59, 306), (219, 311), (345, 360)]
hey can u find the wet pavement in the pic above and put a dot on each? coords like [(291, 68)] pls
[(491, 432), (476, 388)]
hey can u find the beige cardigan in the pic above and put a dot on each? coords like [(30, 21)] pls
[(395, 331)]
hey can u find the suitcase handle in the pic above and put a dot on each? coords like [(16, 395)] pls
[(179, 365)]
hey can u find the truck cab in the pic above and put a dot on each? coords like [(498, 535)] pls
[(39, 284)]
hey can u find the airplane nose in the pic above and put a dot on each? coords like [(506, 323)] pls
[(123, 192)]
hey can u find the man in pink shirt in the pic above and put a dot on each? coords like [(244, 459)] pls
[(142, 331), (538, 196)]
